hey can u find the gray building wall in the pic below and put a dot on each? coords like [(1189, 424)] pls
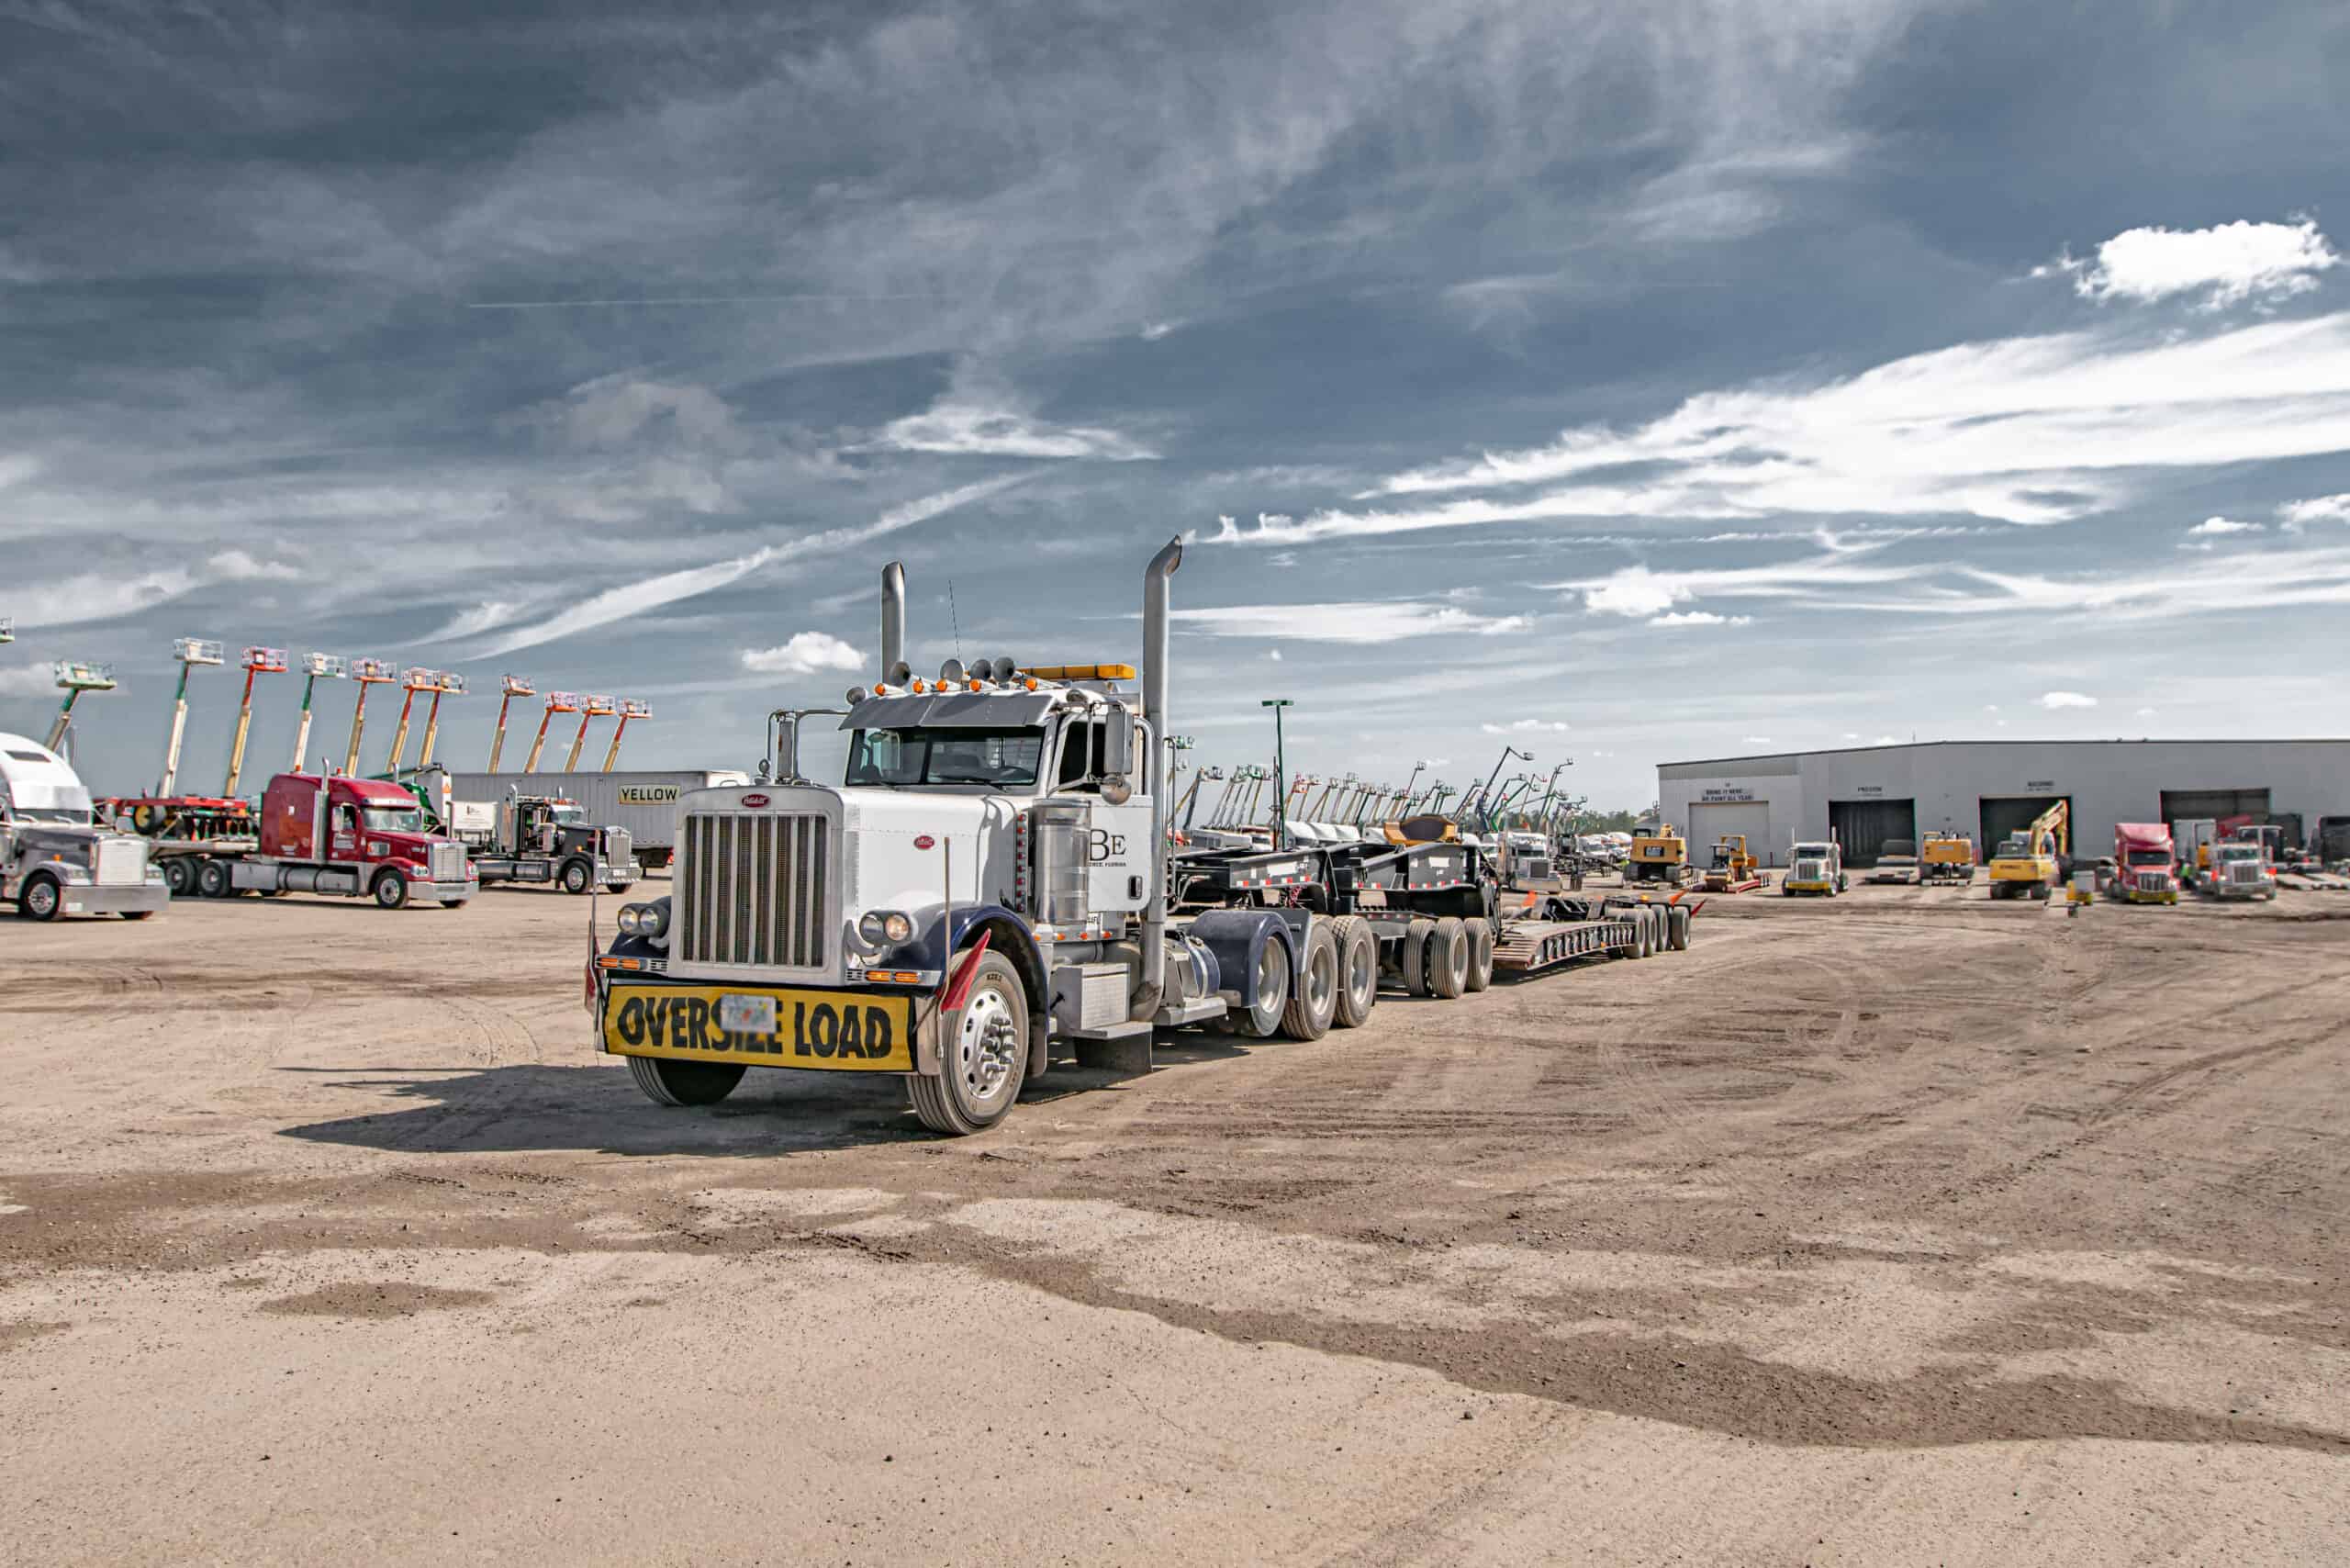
[(1786, 796)]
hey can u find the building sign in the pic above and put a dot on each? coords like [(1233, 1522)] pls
[(1871, 788), (2040, 783), (649, 794), (1724, 794)]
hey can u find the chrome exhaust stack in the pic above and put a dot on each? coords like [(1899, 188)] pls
[(1155, 595), (893, 621)]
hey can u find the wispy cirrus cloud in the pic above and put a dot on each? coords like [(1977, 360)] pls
[(1357, 620), (2032, 430), (668, 587)]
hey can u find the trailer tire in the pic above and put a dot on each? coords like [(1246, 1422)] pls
[(1262, 1021), (176, 880), (1643, 933), (983, 1066), (667, 1083), (1448, 959), (1415, 953), (574, 876), (391, 890), (1678, 919), (212, 879), (41, 898), (1314, 997), (1481, 954), (1358, 971)]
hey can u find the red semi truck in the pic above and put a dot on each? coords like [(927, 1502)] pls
[(2145, 863), (352, 837)]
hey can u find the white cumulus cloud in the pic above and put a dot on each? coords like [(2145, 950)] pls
[(2226, 263), (2298, 515), (1527, 727), (2055, 699), (2214, 525), (805, 653)]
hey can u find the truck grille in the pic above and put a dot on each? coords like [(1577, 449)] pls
[(620, 845), (2243, 873), (1809, 871), (448, 863), (751, 890), (122, 863), (2153, 881)]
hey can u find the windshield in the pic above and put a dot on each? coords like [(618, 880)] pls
[(60, 816), (1811, 851), (2238, 852), (2150, 857), (393, 819), (569, 816), (945, 756)]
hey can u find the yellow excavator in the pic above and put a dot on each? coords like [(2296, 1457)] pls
[(1659, 855), (1946, 857), (2030, 862)]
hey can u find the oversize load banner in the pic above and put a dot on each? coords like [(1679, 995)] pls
[(829, 1029)]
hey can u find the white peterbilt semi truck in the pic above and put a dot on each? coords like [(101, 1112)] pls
[(991, 875)]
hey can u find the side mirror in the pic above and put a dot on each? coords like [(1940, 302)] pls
[(1118, 744)]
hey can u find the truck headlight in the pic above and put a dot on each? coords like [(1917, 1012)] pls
[(652, 920), (630, 915), (885, 925)]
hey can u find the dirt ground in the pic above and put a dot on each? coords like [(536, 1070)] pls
[(1907, 1228)]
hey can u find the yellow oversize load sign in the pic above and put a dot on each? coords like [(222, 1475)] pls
[(830, 1030)]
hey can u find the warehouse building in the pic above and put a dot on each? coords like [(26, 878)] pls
[(1865, 795)]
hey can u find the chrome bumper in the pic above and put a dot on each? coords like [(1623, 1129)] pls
[(87, 898)]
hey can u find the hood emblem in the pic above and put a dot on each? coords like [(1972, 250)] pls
[(753, 802), (924, 842)]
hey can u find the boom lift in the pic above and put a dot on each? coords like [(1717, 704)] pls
[(2031, 862), (75, 679)]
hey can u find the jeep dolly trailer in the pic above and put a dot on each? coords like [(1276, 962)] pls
[(339, 835), (547, 840), (56, 859)]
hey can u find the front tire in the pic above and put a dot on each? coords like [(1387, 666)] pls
[(391, 892), (1313, 1001), (41, 899), (667, 1082), (576, 876), (983, 1065), (1358, 971)]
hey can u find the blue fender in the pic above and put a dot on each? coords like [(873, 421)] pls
[(1236, 938), (925, 952)]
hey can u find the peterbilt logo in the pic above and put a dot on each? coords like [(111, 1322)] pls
[(924, 842), (754, 801)]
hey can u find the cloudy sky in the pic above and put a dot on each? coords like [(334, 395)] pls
[(1624, 382)]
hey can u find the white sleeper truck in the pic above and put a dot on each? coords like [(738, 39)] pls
[(54, 858)]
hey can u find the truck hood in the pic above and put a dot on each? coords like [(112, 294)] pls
[(895, 848)]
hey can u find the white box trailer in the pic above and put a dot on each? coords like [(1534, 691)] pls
[(646, 803)]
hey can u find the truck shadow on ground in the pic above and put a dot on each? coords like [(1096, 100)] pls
[(593, 1107)]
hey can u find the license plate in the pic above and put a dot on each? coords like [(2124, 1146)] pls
[(746, 1014)]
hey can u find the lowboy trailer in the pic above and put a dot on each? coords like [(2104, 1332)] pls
[(991, 876)]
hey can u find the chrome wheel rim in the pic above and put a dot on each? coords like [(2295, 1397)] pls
[(1271, 971), (41, 899), (984, 1044), (1322, 980)]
